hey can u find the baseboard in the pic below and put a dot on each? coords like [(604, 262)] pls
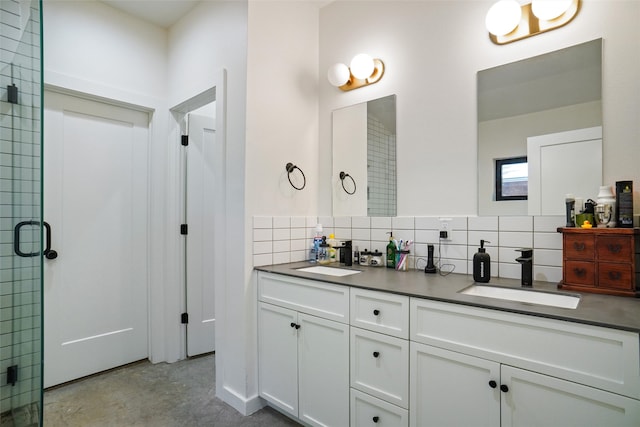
[(244, 405)]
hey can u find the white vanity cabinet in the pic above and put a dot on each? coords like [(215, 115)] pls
[(472, 366), (379, 358), (303, 348)]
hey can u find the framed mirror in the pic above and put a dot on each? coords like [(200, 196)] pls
[(364, 159), (553, 93)]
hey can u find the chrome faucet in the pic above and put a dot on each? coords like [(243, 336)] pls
[(526, 261)]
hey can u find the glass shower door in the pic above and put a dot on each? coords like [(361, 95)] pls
[(20, 213)]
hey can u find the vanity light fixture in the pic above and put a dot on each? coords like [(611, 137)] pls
[(363, 71), (508, 21)]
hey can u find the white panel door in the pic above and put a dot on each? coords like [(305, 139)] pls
[(96, 200), (204, 174)]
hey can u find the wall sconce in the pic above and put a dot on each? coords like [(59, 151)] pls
[(363, 71), (507, 21)]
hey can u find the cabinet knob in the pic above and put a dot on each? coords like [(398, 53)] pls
[(614, 248), (293, 325), (578, 246), (376, 353), (376, 312), (297, 326), (504, 388), (580, 271), (615, 275), (376, 419), (493, 384)]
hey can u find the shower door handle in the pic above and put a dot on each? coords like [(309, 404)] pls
[(48, 252)]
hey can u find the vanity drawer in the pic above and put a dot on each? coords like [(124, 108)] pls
[(580, 273), (313, 297), (614, 248), (615, 275), (579, 246), (369, 411), (380, 312), (380, 366)]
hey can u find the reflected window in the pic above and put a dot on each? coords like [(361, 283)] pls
[(512, 178)]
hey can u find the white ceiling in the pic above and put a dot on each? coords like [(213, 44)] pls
[(163, 13)]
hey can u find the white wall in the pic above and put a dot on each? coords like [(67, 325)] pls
[(432, 51)]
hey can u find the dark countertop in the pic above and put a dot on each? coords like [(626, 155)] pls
[(594, 309)]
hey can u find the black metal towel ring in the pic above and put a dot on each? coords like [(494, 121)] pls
[(290, 167), (344, 175)]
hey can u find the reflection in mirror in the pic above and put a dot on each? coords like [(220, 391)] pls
[(364, 148), (555, 92)]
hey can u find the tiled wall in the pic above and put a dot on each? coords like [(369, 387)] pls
[(20, 290), (381, 169), (279, 240)]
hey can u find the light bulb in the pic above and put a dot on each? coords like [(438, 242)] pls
[(549, 9), (362, 66), (503, 17), (338, 74)]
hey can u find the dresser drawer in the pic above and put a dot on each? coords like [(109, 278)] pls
[(615, 275), (579, 246), (380, 312), (615, 248), (380, 366), (368, 411), (580, 273)]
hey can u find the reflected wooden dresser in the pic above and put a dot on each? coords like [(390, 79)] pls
[(601, 260)]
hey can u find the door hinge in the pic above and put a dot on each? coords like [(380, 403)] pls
[(184, 318), (12, 375), (184, 140), (184, 229)]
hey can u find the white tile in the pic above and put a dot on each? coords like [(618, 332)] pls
[(402, 223), (547, 240), (281, 246), (262, 247), (326, 221), (299, 256), (515, 223), (382, 222), (281, 233), (343, 234), (458, 237), (281, 222), (421, 250), (488, 236), (342, 222), (298, 233), (380, 235), (427, 223), (361, 245), (311, 221), (404, 235), (453, 251), (510, 271), (360, 222), (262, 234), (426, 236), (547, 274), (300, 245), (262, 259), (262, 222), (281, 257), (298, 222), (361, 234), (483, 223), (508, 255), (515, 239), (452, 266), (548, 223), (547, 257), (457, 223)]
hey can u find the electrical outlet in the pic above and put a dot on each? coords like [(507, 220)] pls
[(445, 229)]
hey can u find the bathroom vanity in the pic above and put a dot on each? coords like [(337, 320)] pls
[(403, 348)]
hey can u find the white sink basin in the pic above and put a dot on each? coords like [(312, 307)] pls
[(329, 271), (524, 295)]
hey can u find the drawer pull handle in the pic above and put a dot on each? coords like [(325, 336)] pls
[(615, 275), (376, 354), (578, 246), (493, 384), (294, 325), (614, 248), (504, 388), (580, 272), (376, 312), (376, 419)]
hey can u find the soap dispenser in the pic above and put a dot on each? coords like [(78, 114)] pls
[(482, 264), (391, 252)]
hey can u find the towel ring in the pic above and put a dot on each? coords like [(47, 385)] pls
[(344, 175), (290, 167)]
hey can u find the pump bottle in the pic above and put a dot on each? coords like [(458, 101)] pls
[(482, 264), (391, 252)]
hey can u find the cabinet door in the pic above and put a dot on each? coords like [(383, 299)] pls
[(536, 399), (278, 357), (323, 360), (452, 389)]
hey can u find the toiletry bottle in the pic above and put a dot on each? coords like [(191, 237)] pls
[(347, 253), (391, 252), (570, 203), (333, 251), (323, 253), (356, 255), (482, 264), (317, 239)]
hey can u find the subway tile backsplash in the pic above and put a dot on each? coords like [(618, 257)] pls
[(280, 239)]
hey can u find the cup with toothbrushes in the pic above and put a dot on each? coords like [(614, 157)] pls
[(402, 261)]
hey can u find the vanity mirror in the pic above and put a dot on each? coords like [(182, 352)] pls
[(364, 159), (547, 94)]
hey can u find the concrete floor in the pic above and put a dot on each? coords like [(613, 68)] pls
[(142, 394)]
